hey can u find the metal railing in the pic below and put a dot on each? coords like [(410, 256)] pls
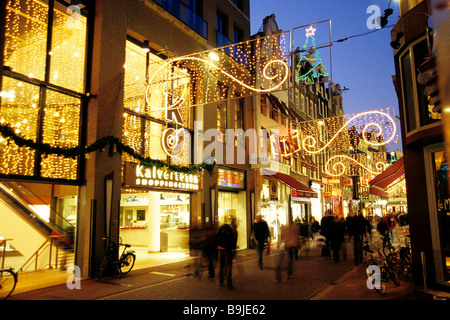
[(19, 193), (186, 15), (50, 255), (3, 243)]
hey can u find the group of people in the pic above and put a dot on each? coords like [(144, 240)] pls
[(217, 244), (335, 230), (356, 228), (221, 243), (289, 234)]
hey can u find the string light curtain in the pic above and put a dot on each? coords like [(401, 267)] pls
[(26, 98)]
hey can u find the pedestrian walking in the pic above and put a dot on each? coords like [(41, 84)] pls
[(201, 240), (314, 226), (391, 223), (292, 245), (382, 227), (356, 230), (226, 240), (262, 236), (290, 235), (337, 236), (325, 225)]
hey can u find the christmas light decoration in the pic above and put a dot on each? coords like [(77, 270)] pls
[(338, 165), (114, 144), (377, 128), (256, 66), (310, 68)]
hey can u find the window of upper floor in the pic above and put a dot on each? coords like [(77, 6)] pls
[(418, 109), (43, 85)]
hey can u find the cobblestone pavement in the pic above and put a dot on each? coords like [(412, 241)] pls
[(314, 278), (174, 291)]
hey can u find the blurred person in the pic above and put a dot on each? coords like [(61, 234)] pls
[(290, 235), (391, 222), (201, 240), (357, 230), (262, 236), (337, 236), (314, 228), (226, 241), (325, 225), (292, 244)]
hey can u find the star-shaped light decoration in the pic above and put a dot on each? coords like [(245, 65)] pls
[(310, 31)]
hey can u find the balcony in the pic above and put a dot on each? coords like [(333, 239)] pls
[(233, 50), (183, 13)]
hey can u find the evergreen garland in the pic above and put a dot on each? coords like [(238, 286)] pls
[(113, 142)]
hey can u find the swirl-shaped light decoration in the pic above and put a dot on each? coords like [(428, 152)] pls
[(309, 142), (265, 74), (339, 168)]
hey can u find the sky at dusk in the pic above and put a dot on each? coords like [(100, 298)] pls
[(363, 64)]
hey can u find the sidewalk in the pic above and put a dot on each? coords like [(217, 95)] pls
[(314, 278)]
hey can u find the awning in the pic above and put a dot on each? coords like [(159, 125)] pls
[(302, 190), (387, 177)]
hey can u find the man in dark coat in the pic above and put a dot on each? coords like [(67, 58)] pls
[(325, 226), (226, 240), (262, 234), (357, 230)]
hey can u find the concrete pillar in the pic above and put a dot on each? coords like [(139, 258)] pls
[(154, 212)]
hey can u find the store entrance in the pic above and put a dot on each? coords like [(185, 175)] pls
[(232, 205), (156, 225)]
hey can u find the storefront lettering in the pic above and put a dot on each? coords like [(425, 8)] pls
[(444, 205), (151, 176)]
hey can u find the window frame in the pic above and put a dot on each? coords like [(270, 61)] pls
[(417, 121)]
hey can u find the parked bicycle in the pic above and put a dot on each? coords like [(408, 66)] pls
[(387, 245), (8, 281), (123, 265), (387, 270), (399, 257), (403, 258)]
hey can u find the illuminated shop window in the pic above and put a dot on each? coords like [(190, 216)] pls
[(443, 205), (143, 125), (61, 128), (153, 137), (19, 109), (26, 37), (28, 105), (135, 79), (132, 135), (68, 49)]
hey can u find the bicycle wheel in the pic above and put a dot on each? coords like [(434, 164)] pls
[(8, 280), (103, 267), (406, 266), (393, 267), (388, 250), (127, 263)]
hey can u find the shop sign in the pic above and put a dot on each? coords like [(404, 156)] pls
[(280, 167), (303, 194), (273, 189), (139, 175), (347, 182), (228, 178), (334, 181)]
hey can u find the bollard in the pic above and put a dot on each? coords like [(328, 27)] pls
[(424, 270)]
